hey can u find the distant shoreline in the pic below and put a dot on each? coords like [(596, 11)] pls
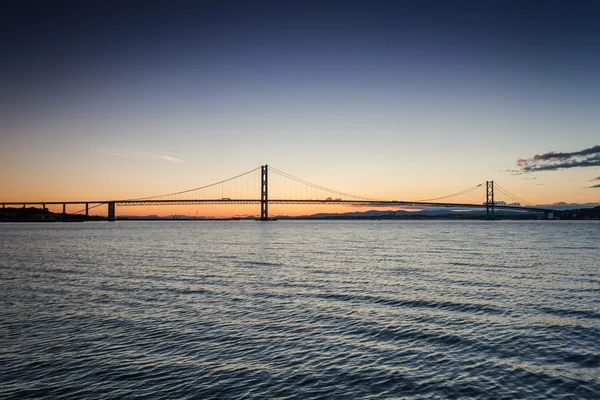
[(33, 214)]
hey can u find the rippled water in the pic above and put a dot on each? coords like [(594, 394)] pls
[(306, 310)]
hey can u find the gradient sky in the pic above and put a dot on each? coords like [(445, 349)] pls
[(384, 99)]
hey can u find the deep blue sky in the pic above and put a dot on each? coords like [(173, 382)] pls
[(55, 45), (474, 85)]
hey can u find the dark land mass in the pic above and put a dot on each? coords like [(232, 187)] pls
[(33, 214), (582, 213)]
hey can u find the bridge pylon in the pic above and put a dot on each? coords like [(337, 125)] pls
[(111, 211), (489, 199), (264, 193)]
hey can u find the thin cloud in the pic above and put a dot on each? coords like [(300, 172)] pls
[(552, 161), (595, 179), (171, 159), (594, 186), (142, 155), (554, 155)]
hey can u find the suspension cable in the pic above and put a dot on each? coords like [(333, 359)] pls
[(453, 194), (198, 188), (503, 190), (318, 186)]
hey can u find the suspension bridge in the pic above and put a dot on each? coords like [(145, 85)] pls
[(267, 185)]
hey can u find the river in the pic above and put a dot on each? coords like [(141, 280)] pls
[(300, 309)]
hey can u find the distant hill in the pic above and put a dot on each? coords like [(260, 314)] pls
[(445, 213), (568, 206)]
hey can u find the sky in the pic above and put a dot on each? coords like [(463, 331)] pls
[(383, 99)]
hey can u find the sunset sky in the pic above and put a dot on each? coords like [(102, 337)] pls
[(384, 99)]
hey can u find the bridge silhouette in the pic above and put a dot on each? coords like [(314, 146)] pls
[(267, 185)]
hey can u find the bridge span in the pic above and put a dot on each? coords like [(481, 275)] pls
[(224, 192)]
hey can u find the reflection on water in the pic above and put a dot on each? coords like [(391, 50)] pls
[(240, 309)]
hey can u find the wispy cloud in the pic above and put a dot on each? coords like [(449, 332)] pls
[(552, 161), (143, 155), (171, 159), (595, 186)]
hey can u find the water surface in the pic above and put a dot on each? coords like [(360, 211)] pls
[(310, 310)]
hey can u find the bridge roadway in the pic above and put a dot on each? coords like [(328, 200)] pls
[(374, 203)]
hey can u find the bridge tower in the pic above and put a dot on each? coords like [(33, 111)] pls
[(489, 199), (264, 193), (111, 210)]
